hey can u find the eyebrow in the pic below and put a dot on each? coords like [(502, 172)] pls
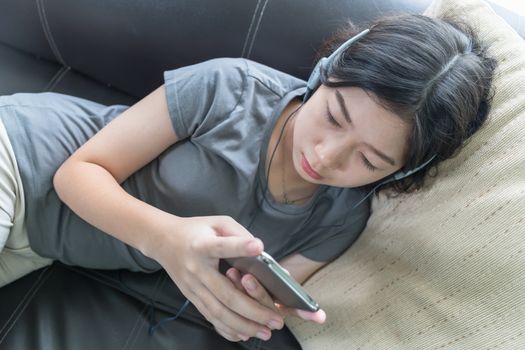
[(342, 105)]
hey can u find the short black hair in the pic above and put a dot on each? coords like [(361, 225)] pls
[(433, 73)]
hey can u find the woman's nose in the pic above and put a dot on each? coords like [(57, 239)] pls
[(333, 155)]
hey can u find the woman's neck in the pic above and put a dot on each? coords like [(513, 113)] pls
[(284, 183)]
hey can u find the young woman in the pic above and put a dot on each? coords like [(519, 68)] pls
[(230, 157)]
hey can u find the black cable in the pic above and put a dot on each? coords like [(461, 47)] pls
[(265, 189), (151, 312)]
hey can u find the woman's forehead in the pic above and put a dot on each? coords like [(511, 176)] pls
[(376, 125)]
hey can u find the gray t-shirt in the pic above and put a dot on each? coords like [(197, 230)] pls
[(223, 112)]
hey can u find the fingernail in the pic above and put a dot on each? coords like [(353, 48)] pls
[(273, 324), (243, 337), (263, 335), (254, 245), (319, 316), (250, 284), (322, 316)]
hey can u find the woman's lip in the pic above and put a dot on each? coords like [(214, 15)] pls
[(308, 169)]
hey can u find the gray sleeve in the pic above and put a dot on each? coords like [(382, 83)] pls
[(199, 94), (334, 241)]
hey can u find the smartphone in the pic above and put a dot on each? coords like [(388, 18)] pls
[(283, 288)]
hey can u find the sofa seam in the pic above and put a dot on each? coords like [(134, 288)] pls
[(57, 78), (110, 282), (257, 28), (134, 333), (47, 31), (22, 305), (248, 35), (252, 33)]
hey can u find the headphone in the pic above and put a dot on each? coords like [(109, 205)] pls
[(314, 81)]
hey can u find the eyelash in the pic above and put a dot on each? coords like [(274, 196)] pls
[(334, 122), (331, 118), (368, 164)]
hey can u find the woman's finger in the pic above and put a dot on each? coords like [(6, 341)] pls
[(228, 335), (242, 304), (218, 313), (259, 293), (235, 276), (220, 247), (222, 328), (219, 324), (318, 317)]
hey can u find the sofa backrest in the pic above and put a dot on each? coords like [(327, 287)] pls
[(127, 44)]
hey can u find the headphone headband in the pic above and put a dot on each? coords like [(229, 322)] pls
[(315, 78)]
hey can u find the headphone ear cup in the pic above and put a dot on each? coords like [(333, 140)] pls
[(400, 175), (315, 78), (396, 176)]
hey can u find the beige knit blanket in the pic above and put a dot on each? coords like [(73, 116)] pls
[(443, 268)]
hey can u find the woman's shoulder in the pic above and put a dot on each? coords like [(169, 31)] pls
[(231, 71), (216, 70), (276, 80)]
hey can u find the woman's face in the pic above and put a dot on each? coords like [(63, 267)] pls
[(343, 138)]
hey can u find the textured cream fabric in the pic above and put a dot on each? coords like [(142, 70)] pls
[(443, 268)]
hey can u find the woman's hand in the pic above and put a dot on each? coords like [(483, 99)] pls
[(249, 284), (190, 255)]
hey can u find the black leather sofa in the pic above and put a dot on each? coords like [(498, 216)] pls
[(114, 52)]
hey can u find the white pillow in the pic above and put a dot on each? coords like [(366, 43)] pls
[(443, 268)]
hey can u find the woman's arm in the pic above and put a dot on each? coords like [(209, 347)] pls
[(89, 181), (188, 249), (300, 267)]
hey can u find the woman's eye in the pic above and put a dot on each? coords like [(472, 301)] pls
[(368, 164), (331, 119)]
